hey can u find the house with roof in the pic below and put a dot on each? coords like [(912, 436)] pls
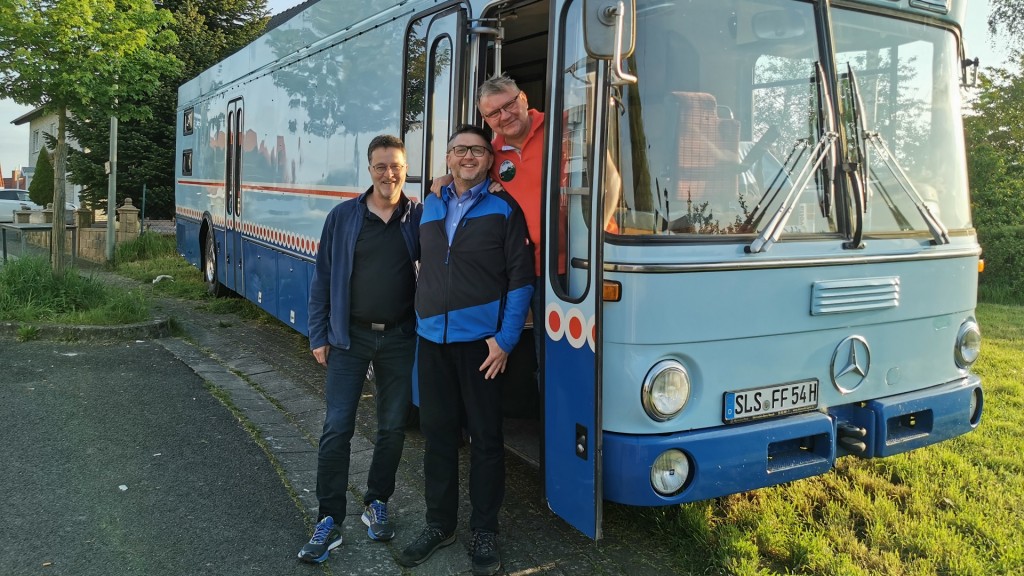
[(41, 123)]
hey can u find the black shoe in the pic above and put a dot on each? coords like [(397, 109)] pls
[(484, 550), (425, 544)]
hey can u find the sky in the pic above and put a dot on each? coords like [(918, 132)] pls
[(14, 144)]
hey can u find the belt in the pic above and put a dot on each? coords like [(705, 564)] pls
[(377, 326)]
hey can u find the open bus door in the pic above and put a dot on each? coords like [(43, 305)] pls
[(573, 270), (581, 139)]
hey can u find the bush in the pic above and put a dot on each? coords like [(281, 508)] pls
[(40, 190), (1002, 282), (146, 247)]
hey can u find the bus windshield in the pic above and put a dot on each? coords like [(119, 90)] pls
[(906, 118), (718, 139)]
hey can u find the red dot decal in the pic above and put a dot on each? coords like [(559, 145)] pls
[(554, 322), (575, 327)]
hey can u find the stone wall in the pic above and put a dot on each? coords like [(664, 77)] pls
[(92, 237)]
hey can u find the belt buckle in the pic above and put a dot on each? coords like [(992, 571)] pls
[(376, 327)]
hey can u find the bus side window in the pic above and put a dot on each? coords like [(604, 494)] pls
[(440, 78)]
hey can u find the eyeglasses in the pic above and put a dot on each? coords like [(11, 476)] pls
[(510, 107), (477, 151), (382, 168)]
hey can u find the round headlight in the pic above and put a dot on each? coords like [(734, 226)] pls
[(666, 390), (968, 344), (670, 472)]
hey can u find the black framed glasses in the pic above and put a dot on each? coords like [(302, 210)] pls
[(461, 151), (382, 168), (509, 107)]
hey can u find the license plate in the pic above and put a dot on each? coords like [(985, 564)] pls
[(771, 400)]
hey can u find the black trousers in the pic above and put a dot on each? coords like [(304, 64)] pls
[(450, 379)]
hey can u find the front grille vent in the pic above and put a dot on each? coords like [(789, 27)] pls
[(854, 295)]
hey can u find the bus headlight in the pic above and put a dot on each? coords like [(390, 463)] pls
[(666, 390), (968, 344), (670, 472)]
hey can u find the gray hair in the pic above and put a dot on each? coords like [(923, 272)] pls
[(497, 84)]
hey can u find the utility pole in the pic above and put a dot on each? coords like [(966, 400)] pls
[(112, 189)]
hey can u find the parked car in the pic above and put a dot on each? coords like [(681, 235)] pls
[(13, 199)]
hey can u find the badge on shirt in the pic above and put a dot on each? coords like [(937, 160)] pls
[(507, 171)]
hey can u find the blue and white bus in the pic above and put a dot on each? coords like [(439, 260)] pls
[(788, 277)]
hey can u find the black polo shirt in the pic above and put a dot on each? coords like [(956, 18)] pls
[(383, 281)]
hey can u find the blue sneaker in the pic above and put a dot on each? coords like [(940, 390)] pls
[(375, 516), (326, 537)]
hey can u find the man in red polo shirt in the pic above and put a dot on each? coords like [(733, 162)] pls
[(518, 150)]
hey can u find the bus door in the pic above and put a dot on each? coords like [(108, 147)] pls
[(232, 244), (441, 35), (573, 263)]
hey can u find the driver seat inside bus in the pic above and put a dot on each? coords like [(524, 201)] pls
[(707, 157)]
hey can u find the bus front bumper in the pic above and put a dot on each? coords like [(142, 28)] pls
[(741, 457)]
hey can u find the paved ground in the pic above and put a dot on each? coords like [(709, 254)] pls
[(242, 521), (117, 460)]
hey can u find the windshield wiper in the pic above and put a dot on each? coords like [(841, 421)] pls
[(782, 175), (824, 147), (874, 138)]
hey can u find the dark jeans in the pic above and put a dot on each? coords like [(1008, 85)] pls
[(392, 354), (450, 377)]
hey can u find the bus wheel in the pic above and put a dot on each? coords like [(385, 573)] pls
[(213, 286)]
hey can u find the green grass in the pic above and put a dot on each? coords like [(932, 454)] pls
[(950, 508), (30, 292), (154, 255)]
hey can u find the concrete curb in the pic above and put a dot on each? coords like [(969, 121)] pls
[(151, 329)]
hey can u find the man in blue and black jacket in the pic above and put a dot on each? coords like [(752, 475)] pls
[(475, 283)]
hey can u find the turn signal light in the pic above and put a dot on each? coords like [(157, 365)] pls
[(612, 291), (981, 265)]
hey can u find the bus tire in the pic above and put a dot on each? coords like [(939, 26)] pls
[(213, 286)]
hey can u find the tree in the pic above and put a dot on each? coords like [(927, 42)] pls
[(995, 135), (207, 32), (40, 190), (82, 57), (1006, 16)]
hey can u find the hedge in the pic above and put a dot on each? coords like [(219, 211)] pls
[(1002, 282)]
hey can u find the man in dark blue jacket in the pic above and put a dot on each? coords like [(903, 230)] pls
[(476, 280), (361, 311)]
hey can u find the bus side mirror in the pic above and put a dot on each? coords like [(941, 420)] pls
[(603, 22), (969, 72)]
